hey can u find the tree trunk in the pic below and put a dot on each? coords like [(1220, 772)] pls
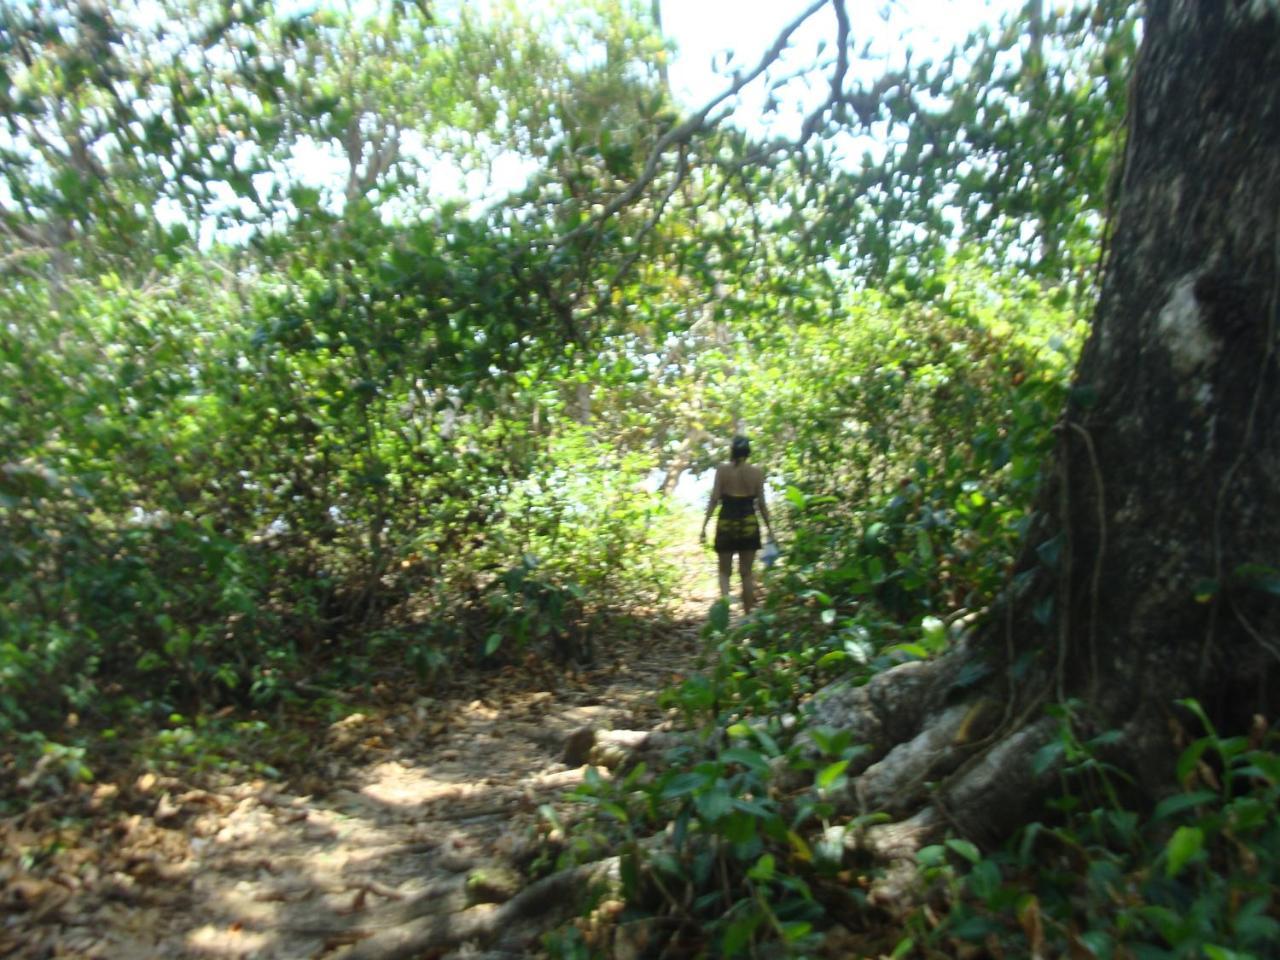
[(664, 78), (1171, 452), (1134, 588)]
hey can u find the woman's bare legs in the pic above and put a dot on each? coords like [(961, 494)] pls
[(726, 567), (746, 568)]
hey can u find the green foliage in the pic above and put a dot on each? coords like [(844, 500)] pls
[(587, 516), (1196, 876), (913, 450), (738, 872), (224, 466), (910, 436), (1010, 140), (205, 505), (226, 748)]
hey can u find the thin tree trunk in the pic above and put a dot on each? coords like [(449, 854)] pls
[(663, 77)]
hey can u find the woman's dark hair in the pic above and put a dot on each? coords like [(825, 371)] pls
[(740, 449)]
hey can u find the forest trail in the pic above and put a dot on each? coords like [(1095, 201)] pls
[(420, 803)]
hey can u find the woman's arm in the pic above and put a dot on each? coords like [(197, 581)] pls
[(764, 508), (711, 506)]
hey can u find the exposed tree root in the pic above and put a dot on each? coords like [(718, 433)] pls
[(539, 907), (947, 758), (997, 789), (612, 748), (896, 782), (899, 705), (892, 707)]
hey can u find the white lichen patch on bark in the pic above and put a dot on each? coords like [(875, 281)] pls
[(1183, 330)]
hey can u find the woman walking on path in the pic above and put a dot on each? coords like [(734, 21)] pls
[(739, 491)]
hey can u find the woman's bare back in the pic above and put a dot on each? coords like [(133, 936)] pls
[(740, 479)]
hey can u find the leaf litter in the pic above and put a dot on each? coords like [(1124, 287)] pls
[(426, 802)]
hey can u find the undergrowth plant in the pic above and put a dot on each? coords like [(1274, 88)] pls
[(889, 554), (1196, 875)]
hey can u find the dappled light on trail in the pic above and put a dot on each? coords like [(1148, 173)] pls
[(420, 800)]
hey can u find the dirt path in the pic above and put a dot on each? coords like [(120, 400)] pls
[(400, 801)]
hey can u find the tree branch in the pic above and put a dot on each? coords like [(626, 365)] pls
[(625, 268), (814, 120), (683, 132)]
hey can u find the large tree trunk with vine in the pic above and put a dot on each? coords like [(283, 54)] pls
[(1139, 582)]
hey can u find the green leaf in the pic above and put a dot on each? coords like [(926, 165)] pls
[(750, 759), (1205, 589), (924, 548), (796, 930), (667, 864), (825, 738), (934, 855), (739, 934), (629, 871), (1194, 706), (831, 774), (492, 644), (1047, 757), (1189, 759), (984, 880), (763, 869), (876, 570), (740, 826), (719, 616), (683, 784), (1258, 576), (1253, 925), (615, 810), (1185, 843), (1170, 806), (178, 645), (697, 693), (770, 745), (965, 848)]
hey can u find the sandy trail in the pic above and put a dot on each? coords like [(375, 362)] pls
[(399, 801)]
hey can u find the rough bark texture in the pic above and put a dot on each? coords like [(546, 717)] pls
[(1163, 485), (1171, 453)]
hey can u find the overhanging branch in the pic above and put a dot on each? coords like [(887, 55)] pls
[(685, 131)]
